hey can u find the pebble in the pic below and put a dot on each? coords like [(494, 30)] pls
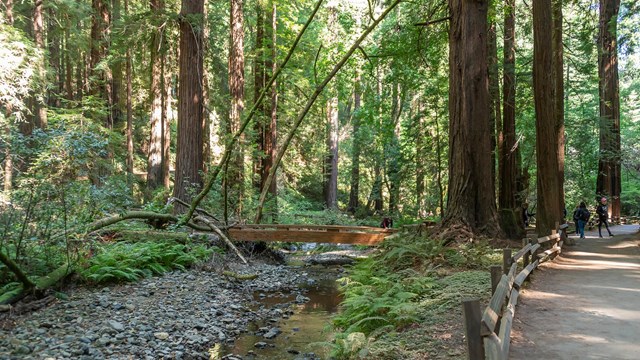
[(180, 315)]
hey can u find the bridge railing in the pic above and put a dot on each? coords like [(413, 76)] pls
[(488, 333)]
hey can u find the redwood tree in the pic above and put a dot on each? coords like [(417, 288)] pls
[(189, 156), (549, 196), (157, 158), (470, 201), (235, 173), (609, 181), (333, 123)]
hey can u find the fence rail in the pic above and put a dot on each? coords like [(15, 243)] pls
[(488, 332)]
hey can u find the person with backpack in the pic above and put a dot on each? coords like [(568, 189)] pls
[(583, 216), (603, 216)]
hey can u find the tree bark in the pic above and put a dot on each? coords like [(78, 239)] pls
[(129, 130), (259, 83), (471, 201), (8, 11), (116, 75), (154, 156), (354, 193), (189, 157), (55, 68), (558, 77), (549, 198), (271, 131), (508, 150), (495, 116), (165, 120), (40, 109), (235, 176), (101, 86), (69, 66), (609, 179), (333, 124)]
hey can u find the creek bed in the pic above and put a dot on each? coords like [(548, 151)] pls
[(303, 326)]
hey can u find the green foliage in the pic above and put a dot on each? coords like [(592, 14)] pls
[(400, 284), (132, 261)]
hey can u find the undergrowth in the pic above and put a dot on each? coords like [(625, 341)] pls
[(132, 261), (408, 280)]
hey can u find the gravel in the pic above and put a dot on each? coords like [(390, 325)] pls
[(181, 315)]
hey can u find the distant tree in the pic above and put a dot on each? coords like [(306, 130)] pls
[(331, 157), (40, 108), (354, 192)]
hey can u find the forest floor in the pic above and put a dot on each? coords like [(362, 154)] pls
[(583, 305)]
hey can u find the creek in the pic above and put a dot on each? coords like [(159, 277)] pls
[(303, 326)]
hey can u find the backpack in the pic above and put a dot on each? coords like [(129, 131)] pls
[(584, 215)]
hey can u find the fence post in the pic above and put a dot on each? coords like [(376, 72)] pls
[(472, 325), (496, 275), (506, 260)]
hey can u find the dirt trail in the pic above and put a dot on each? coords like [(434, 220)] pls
[(585, 304)]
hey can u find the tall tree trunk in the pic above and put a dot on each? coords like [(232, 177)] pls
[(271, 131), (259, 83), (354, 193), (420, 160), (558, 75), (166, 109), (471, 200), (55, 68), (129, 130), (68, 81), (116, 75), (333, 123), (508, 156), (101, 79), (40, 109), (549, 197), (609, 180), (495, 117), (79, 80), (331, 158), (235, 176), (8, 157), (393, 154), (439, 166), (189, 157), (154, 158)]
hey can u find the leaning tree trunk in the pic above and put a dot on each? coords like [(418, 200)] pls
[(189, 157), (609, 181), (549, 197), (470, 203)]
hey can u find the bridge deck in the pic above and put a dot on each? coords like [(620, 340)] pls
[(335, 234)]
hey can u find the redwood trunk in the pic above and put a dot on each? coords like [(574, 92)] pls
[(508, 151), (235, 175), (549, 197), (558, 67), (189, 157), (470, 201), (154, 158), (609, 180), (354, 193), (333, 123), (40, 109)]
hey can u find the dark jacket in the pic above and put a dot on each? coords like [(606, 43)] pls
[(602, 211), (583, 214)]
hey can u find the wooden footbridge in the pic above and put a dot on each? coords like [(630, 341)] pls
[(335, 234)]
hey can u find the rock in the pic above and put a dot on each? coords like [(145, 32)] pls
[(5, 308), (161, 335), (116, 325), (293, 351), (273, 332), (301, 299), (22, 350), (260, 345)]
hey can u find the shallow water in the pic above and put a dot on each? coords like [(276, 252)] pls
[(303, 332)]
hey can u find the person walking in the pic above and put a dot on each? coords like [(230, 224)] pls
[(583, 215), (603, 216), (576, 217)]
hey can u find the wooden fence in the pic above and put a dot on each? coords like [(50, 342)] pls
[(488, 333)]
